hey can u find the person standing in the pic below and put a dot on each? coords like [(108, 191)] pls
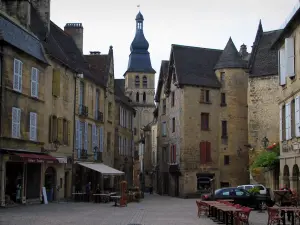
[(18, 192), (286, 188), (88, 191)]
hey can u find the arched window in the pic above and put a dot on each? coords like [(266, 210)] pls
[(144, 82), (137, 98), (144, 97), (137, 81)]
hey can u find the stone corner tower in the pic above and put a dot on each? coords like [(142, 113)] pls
[(140, 78)]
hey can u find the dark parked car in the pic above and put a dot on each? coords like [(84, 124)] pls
[(240, 196)]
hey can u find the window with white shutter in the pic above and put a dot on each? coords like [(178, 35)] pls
[(280, 124), (17, 83), (282, 70), (85, 145), (297, 116), (288, 126), (33, 126), (290, 56), (34, 82), (16, 121)]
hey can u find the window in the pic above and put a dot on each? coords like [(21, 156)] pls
[(224, 129), (108, 141), (33, 126), (109, 110), (205, 121), (137, 81), (55, 128), (205, 152), (164, 129), (16, 121), (293, 118), (56, 82), (282, 127), (222, 77), (204, 96), (239, 193), (223, 99), (282, 69), (34, 82), (18, 67), (81, 93), (173, 124), (137, 97), (288, 120), (144, 82), (297, 116), (226, 159), (144, 97), (66, 88), (290, 57), (164, 106), (173, 154), (173, 99), (66, 132), (225, 193)]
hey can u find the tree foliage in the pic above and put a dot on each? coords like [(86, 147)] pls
[(267, 158)]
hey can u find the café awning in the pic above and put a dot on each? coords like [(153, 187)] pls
[(36, 158), (101, 168)]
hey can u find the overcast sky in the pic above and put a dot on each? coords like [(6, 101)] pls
[(203, 23)]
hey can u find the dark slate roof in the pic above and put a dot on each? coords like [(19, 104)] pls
[(289, 27), (265, 60), (195, 65), (139, 17), (119, 93), (139, 58), (21, 39), (121, 84), (60, 46), (98, 64), (230, 57), (163, 73)]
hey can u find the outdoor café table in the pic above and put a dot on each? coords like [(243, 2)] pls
[(285, 210), (78, 196), (116, 198), (210, 204), (226, 211)]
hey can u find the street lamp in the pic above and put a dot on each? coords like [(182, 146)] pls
[(265, 142)]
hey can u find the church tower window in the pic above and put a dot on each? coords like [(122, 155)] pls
[(145, 82), (137, 98), (137, 81), (144, 97)]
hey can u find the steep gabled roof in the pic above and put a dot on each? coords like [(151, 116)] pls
[(21, 39), (120, 95), (163, 73), (195, 65), (230, 58), (98, 65)]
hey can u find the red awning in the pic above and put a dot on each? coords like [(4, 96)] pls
[(35, 158)]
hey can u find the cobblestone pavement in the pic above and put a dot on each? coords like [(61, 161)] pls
[(153, 210)]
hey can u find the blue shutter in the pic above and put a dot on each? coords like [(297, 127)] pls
[(85, 136)]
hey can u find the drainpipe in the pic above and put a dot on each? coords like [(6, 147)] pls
[(2, 165), (1, 86), (74, 139)]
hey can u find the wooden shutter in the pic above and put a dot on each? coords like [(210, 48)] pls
[(69, 132), (33, 126), (51, 129), (202, 95), (60, 130), (202, 152), (282, 69), (297, 116), (16, 75), (56, 82), (290, 56), (34, 82), (208, 152)]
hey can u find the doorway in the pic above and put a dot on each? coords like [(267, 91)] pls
[(50, 183), (66, 186), (14, 182), (176, 179)]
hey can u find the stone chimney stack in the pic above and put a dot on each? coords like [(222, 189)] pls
[(243, 51), (75, 30), (43, 8)]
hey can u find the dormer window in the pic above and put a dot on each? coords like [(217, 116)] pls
[(145, 82), (137, 81)]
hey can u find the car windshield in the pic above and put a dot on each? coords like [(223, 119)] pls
[(217, 191), (247, 187)]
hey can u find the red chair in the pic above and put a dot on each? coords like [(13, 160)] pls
[(244, 215), (202, 208), (274, 217)]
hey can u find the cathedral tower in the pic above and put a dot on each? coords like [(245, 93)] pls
[(139, 79)]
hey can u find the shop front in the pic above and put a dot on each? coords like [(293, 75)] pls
[(21, 176)]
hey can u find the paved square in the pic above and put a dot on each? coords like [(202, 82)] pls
[(153, 210)]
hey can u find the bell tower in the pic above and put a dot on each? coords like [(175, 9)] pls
[(140, 78)]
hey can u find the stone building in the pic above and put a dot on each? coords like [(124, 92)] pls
[(263, 98), (139, 84), (124, 115), (288, 47), (202, 119)]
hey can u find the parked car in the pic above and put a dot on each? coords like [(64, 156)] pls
[(240, 196), (262, 188)]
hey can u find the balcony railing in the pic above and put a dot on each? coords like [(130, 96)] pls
[(99, 116), (83, 110)]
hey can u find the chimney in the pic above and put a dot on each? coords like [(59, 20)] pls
[(95, 53), (243, 50), (75, 30), (43, 8)]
